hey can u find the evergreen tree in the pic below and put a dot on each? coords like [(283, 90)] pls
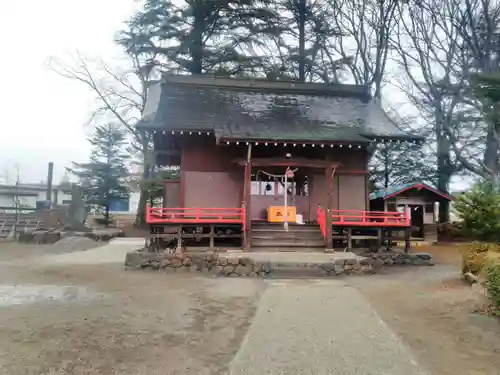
[(103, 176), (199, 36), (479, 211)]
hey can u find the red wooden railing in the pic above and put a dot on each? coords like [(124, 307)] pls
[(195, 215), (356, 218), (370, 218)]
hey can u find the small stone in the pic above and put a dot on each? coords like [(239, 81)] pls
[(389, 262), (378, 263)]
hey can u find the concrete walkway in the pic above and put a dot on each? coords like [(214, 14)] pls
[(320, 328)]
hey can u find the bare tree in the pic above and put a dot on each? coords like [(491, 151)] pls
[(363, 47), (430, 58), (121, 96)]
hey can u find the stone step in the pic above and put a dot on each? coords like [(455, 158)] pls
[(291, 226), (256, 242), (286, 235)]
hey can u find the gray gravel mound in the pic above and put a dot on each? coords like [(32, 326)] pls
[(71, 244)]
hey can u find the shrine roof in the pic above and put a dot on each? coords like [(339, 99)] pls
[(254, 109)]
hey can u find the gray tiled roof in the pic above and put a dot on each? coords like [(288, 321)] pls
[(267, 110)]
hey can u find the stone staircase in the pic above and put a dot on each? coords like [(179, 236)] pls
[(270, 235)]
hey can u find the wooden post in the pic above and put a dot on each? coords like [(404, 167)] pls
[(349, 238), (212, 235), (246, 199), (380, 239), (328, 207), (407, 239), (179, 239)]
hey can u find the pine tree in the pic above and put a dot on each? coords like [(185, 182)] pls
[(102, 177), (479, 211), (200, 36)]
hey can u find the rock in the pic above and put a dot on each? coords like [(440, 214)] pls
[(164, 263), (266, 267), (246, 270), (424, 256), (133, 260), (351, 261), (328, 267), (233, 261), (366, 261), (193, 268), (222, 261), (175, 263), (389, 262)]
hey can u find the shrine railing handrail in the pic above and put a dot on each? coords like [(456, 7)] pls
[(194, 215), (363, 218)]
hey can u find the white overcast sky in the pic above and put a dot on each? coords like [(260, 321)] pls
[(43, 115)]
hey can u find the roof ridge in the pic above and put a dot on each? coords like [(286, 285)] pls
[(320, 89)]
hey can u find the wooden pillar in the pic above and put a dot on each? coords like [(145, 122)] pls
[(328, 206), (407, 239), (212, 236), (246, 200), (380, 238), (179, 239), (349, 238)]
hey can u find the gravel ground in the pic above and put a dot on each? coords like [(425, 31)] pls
[(433, 311), (84, 317)]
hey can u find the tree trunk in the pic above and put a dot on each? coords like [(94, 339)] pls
[(140, 217), (106, 215), (490, 158), (301, 5), (444, 170), (196, 49)]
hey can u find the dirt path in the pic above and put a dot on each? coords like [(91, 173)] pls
[(433, 311)]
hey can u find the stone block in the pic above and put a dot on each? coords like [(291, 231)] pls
[(133, 259), (366, 261), (233, 261), (425, 256), (351, 261), (222, 262)]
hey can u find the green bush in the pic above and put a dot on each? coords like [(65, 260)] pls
[(474, 256), (493, 283), (479, 212)]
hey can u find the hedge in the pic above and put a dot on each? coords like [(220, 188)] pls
[(483, 259)]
